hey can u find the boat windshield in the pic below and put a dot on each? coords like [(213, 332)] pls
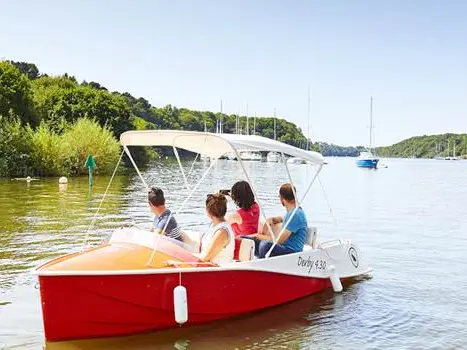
[(157, 242)]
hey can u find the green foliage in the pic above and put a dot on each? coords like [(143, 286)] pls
[(427, 146), (48, 153), (15, 148), (86, 137), (61, 100), (55, 155), (331, 150), (28, 69), (15, 93), (55, 121)]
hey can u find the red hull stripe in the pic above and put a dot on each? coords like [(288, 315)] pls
[(98, 306)]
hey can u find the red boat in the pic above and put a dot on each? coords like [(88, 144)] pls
[(140, 282)]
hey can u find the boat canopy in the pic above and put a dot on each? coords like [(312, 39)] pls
[(214, 145)]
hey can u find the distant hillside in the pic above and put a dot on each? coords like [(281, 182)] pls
[(427, 146), (332, 150)]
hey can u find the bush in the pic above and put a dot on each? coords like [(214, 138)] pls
[(56, 155), (47, 151), (86, 137), (14, 148)]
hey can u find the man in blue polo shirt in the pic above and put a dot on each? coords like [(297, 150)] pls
[(164, 221), (293, 238)]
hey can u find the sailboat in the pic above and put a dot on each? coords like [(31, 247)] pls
[(273, 157), (249, 154), (454, 157), (438, 152), (295, 160), (219, 130), (367, 159), (203, 156)]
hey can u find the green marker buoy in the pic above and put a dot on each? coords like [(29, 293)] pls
[(90, 164)]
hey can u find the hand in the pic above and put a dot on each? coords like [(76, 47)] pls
[(259, 236)]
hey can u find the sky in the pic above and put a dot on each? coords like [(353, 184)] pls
[(411, 56)]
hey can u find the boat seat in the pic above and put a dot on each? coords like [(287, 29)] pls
[(312, 236), (246, 250)]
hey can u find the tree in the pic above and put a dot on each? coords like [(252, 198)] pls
[(28, 69), (15, 94), (60, 100)]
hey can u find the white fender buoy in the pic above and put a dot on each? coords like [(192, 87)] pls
[(63, 180), (180, 305), (335, 281)]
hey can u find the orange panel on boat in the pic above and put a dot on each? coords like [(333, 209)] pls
[(124, 256)]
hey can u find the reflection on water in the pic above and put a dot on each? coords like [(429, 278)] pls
[(409, 220)]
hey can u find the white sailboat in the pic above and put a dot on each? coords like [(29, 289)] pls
[(219, 130), (366, 158), (249, 155), (453, 157), (438, 152), (295, 160), (273, 157)]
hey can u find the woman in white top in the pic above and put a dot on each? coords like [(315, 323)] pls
[(217, 245)]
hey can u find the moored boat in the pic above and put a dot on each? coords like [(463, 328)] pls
[(366, 159), (273, 157)]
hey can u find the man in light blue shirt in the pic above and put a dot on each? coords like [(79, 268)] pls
[(293, 238)]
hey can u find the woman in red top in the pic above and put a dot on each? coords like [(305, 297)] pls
[(245, 220)]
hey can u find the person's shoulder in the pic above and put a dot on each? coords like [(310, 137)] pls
[(224, 231), (255, 209)]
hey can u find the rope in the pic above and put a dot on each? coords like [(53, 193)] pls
[(328, 203), (85, 245)]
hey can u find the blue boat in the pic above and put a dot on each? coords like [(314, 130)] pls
[(367, 159)]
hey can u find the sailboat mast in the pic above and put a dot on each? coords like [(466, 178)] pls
[(222, 120), (247, 126), (308, 117), (371, 120), (254, 125), (274, 124)]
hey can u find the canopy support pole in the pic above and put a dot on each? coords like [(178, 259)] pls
[(127, 151), (181, 167), (294, 211), (290, 178)]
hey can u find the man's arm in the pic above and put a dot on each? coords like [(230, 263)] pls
[(284, 236), (273, 220)]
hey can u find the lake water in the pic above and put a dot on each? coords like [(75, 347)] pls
[(410, 221)]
